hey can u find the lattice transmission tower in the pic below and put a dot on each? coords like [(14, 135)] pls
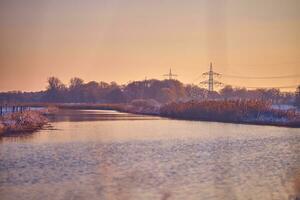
[(211, 82), (170, 74)]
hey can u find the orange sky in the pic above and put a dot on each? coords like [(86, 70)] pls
[(122, 40)]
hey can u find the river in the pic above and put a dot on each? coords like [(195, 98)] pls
[(110, 155)]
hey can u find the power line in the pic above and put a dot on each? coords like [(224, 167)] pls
[(289, 63), (211, 82), (262, 77), (196, 79)]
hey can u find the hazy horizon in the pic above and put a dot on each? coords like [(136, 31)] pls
[(127, 40)]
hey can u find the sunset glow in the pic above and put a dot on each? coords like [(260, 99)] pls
[(113, 40)]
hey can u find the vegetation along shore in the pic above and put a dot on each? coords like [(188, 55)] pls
[(244, 112), (229, 111), (22, 122), (166, 98)]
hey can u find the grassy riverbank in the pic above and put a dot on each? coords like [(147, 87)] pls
[(22, 122), (138, 106), (229, 111), (245, 112)]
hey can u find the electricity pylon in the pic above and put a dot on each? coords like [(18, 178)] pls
[(211, 82), (170, 74)]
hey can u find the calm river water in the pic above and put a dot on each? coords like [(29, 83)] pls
[(109, 155)]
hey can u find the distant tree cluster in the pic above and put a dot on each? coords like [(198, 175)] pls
[(162, 91), (297, 98), (272, 95), (80, 92), (18, 96)]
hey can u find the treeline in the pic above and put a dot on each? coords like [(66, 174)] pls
[(162, 91), (297, 98)]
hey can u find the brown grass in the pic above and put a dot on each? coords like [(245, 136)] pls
[(26, 121), (244, 111)]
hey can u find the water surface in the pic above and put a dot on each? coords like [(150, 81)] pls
[(112, 155)]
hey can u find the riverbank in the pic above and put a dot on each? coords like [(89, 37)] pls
[(239, 112), (226, 111), (22, 122), (139, 106)]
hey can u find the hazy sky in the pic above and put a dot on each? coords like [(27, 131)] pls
[(122, 40)]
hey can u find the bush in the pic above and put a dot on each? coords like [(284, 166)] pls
[(22, 122)]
